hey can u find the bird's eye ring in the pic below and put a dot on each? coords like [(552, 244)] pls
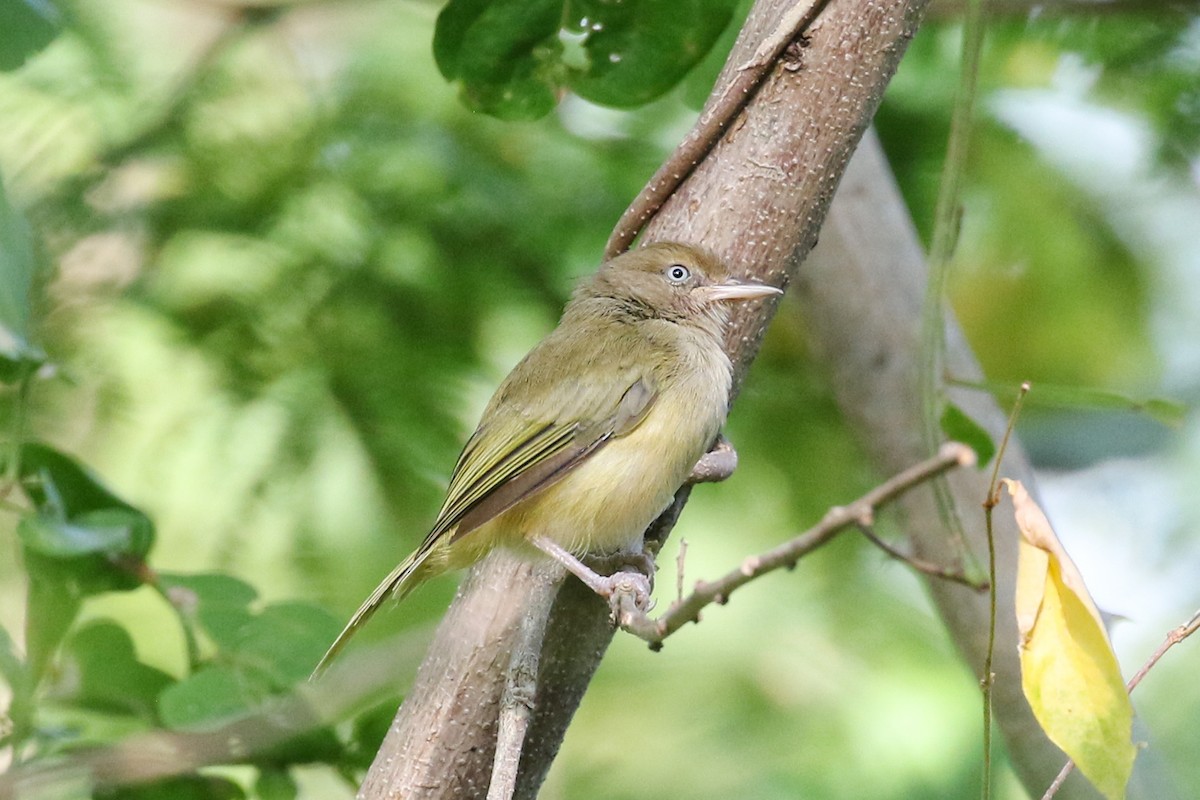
[(678, 273)]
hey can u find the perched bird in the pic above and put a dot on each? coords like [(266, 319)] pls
[(589, 437)]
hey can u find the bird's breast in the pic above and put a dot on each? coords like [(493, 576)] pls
[(608, 501)]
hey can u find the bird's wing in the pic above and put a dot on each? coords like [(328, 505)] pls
[(497, 470)]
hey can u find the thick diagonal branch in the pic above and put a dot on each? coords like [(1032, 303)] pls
[(758, 200)]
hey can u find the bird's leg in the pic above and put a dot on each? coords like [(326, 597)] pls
[(715, 465), (520, 692), (607, 586)]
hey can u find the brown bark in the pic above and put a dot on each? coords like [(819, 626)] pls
[(758, 200)]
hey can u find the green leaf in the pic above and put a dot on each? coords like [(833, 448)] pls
[(510, 58), (115, 532), (57, 483), (506, 54), (286, 640), (219, 603), (182, 787), (1162, 410), (370, 727), (275, 784), (28, 25), (638, 51), (17, 269), (110, 676), (698, 84), (51, 606), (16, 676), (65, 727), (961, 428), (209, 698), (81, 539), (314, 746)]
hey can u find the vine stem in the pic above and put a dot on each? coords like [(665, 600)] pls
[(711, 125), (989, 506)]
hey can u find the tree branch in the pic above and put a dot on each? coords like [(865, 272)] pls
[(635, 620), (717, 116), (757, 200)]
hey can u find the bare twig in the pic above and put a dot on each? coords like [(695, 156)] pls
[(836, 520), (1173, 638), (711, 125), (920, 565), (679, 562)]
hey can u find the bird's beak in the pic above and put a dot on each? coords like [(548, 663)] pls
[(736, 290)]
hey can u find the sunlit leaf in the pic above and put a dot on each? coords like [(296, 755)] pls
[(1068, 670)]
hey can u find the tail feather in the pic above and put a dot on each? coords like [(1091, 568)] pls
[(396, 586)]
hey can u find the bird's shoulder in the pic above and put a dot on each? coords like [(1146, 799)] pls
[(581, 374)]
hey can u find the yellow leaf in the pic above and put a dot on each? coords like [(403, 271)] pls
[(1068, 670)]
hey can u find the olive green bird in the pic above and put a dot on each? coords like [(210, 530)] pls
[(588, 438)]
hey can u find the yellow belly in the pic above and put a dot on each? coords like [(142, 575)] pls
[(608, 501)]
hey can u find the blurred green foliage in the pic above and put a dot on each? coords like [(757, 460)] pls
[(277, 265)]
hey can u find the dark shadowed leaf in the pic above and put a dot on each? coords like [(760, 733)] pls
[(110, 676), (961, 428), (28, 26), (510, 58), (638, 51), (17, 268), (275, 784), (505, 53), (183, 787)]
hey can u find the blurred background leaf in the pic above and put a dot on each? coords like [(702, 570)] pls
[(28, 25)]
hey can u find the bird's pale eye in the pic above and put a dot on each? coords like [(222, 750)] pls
[(678, 273)]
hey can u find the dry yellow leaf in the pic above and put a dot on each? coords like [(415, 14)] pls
[(1069, 672)]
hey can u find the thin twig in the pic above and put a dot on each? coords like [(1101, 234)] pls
[(837, 519), (989, 506), (920, 565), (679, 562), (1173, 638), (711, 126)]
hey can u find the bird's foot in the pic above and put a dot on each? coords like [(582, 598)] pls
[(633, 578)]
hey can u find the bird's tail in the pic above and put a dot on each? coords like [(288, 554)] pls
[(410, 574)]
